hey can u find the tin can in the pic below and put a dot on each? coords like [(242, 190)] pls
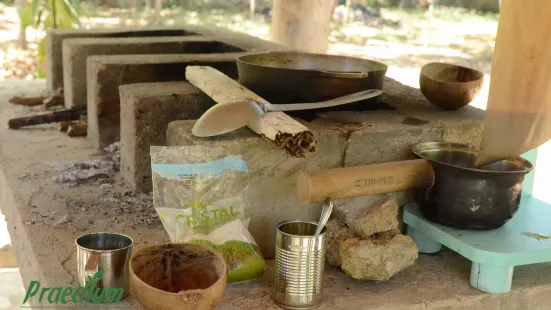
[(299, 265)]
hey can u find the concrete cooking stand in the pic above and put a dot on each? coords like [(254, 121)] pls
[(47, 254)]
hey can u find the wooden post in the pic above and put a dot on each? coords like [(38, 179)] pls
[(302, 24), (518, 112)]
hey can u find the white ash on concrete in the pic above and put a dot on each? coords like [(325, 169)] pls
[(139, 206), (112, 208), (114, 149), (99, 170), (75, 173)]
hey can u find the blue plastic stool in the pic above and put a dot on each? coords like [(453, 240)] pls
[(525, 239)]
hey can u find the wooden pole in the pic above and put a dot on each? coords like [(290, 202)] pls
[(303, 25), (518, 113)]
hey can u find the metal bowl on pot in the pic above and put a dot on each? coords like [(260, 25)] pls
[(447, 186), (283, 77)]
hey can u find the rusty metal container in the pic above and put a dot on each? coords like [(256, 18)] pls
[(299, 265)]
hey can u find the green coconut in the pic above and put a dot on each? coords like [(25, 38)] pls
[(244, 260)]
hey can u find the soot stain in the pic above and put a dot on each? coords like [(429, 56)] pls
[(412, 121)]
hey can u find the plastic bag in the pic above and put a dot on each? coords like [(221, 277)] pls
[(199, 194), (518, 114)]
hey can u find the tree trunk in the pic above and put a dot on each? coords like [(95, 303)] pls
[(252, 9), (20, 5), (347, 16), (156, 18), (303, 25)]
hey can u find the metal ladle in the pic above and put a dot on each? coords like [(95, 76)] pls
[(325, 214)]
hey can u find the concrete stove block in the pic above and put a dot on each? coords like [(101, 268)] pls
[(76, 51), (55, 37), (272, 174), (146, 111), (107, 73)]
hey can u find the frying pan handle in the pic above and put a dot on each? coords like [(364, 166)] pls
[(341, 74), (362, 95), (349, 182)]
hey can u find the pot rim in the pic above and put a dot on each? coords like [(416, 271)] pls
[(280, 224), (425, 146), (242, 60), (218, 255), (103, 233)]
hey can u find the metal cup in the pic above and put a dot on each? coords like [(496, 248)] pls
[(299, 265), (107, 251)]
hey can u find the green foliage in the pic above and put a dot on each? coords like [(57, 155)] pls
[(46, 14)]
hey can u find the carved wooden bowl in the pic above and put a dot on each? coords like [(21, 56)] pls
[(448, 86), (178, 276)]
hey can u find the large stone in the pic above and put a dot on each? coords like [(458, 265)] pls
[(377, 258), (146, 111), (272, 174), (368, 215), (335, 234), (76, 51), (107, 73)]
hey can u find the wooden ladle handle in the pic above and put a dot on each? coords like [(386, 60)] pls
[(349, 182)]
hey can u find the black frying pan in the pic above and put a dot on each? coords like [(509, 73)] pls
[(283, 77)]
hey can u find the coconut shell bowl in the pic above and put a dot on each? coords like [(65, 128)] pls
[(178, 276), (448, 86)]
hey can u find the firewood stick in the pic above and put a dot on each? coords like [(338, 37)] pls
[(55, 100), (58, 116), (77, 130), (287, 133), (64, 125), (29, 102)]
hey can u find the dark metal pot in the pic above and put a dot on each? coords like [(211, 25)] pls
[(283, 77), (466, 197)]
